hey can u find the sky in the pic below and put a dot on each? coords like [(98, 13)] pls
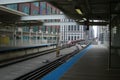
[(95, 31)]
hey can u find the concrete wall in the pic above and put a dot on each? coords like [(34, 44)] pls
[(15, 54)]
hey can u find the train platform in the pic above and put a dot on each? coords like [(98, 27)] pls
[(89, 64), (16, 70), (5, 48), (93, 65)]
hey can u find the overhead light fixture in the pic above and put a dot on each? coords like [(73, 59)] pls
[(84, 19), (78, 11), (76, 20), (81, 20)]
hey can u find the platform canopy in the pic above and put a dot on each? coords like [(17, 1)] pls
[(90, 9), (43, 17), (10, 15)]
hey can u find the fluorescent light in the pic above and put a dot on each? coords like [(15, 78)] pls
[(81, 21), (76, 20), (78, 11), (84, 19)]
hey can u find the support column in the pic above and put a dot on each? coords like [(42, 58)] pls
[(109, 55), (30, 36), (14, 35), (22, 37), (64, 33), (57, 46), (117, 37), (36, 42), (41, 37)]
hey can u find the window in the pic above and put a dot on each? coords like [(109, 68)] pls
[(68, 37), (42, 8), (71, 27), (35, 28), (36, 4), (53, 11), (12, 6), (49, 9), (71, 37), (44, 28), (74, 37), (62, 37), (25, 29), (25, 9), (49, 29), (78, 27), (35, 12), (74, 27)]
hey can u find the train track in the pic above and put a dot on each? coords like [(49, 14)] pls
[(40, 72), (23, 58)]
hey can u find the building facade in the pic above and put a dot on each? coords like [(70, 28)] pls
[(35, 35), (42, 34), (71, 32)]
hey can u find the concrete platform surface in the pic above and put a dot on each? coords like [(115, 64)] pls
[(92, 66)]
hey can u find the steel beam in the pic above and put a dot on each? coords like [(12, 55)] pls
[(8, 10), (2, 2), (16, 1), (59, 23), (74, 23), (42, 17), (47, 17)]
